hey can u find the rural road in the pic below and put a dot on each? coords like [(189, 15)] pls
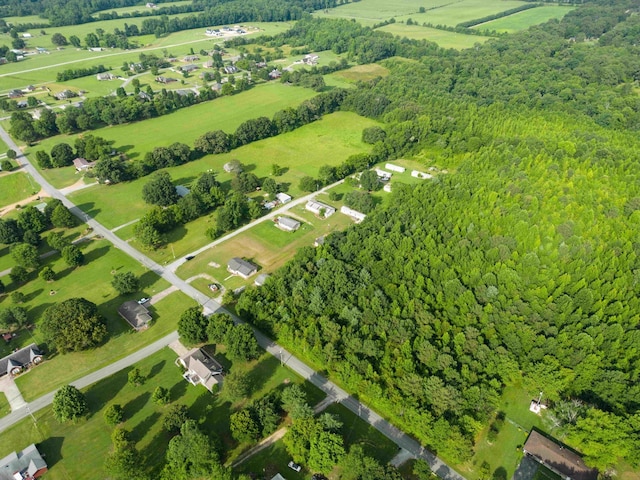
[(401, 439)]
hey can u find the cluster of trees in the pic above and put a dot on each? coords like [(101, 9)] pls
[(73, 325), (62, 154), (473, 280), (72, 73), (195, 328)]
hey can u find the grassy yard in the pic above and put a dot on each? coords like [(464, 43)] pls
[(74, 449), (5, 408), (303, 151), (224, 113), (270, 461), (3, 146), (525, 19), (443, 38), (16, 186)]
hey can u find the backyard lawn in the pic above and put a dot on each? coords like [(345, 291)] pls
[(16, 186)]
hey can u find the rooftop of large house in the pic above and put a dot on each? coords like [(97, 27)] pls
[(241, 267), (25, 465), (201, 368), (558, 457)]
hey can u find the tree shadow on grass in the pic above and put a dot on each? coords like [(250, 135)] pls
[(147, 279), (38, 310), (260, 374), (176, 234), (51, 450), (95, 254), (156, 369), (105, 390), (184, 180), (141, 429), (179, 389), (499, 474), (249, 167), (89, 208), (284, 186), (32, 295), (135, 405)]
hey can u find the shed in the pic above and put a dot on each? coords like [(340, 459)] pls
[(260, 279), (241, 267), (135, 314), (287, 224), (422, 175), (283, 197), (356, 215), (394, 168), (387, 188), (557, 457), (182, 191)]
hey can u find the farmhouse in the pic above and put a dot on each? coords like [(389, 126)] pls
[(201, 369), (287, 224), (82, 164), (311, 59), (319, 208), (192, 67), (260, 279), (557, 458), (212, 32), (394, 168), (21, 360), (383, 175), (238, 266), (275, 73), (105, 76), (191, 58), (15, 93), (65, 94), (151, 5), (283, 197), (25, 465), (27, 35), (165, 80), (356, 215), (419, 174), (22, 104), (30, 88), (135, 314)]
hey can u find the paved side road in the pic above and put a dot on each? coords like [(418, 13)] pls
[(210, 306), (45, 400)]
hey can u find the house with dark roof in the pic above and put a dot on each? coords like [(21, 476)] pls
[(189, 68), (15, 93), (165, 80), (21, 360), (238, 266), (191, 58), (201, 369), (25, 465), (135, 314), (557, 457)]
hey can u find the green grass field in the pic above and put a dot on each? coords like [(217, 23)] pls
[(91, 281), (141, 8), (443, 38), (15, 187), (25, 19), (3, 146), (369, 12), (74, 449), (303, 151), (525, 19), (5, 408)]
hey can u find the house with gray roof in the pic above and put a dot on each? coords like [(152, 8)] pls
[(238, 266), (201, 369), (287, 224), (21, 360), (25, 465), (135, 314), (318, 208)]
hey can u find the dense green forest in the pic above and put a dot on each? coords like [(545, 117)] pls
[(522, 263)]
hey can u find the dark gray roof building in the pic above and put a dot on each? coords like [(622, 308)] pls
[(241, 267), (135, 314), (26, 465), (557, 457), (18, 361)]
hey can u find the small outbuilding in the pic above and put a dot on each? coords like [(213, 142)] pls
[(243, 268), (260, 279), (394, 168), (354, 214), (283, 197), (182, 191), (319, 208), (287, 224), (136, 315)]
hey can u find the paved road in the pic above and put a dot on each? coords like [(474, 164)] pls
[(210, 306), (269, 216), (45, 400)]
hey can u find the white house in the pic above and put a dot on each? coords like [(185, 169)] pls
[(318, 208), (394, 168), (27, 35), (422, 175), (283, 198), (356, 215), (201, 369), (383, 175)]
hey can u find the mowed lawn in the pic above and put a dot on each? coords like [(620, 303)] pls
[(184, 125), (443, 38), (369, 12), (328, 141), (73, 449), (91, 281), (5, 408), (525, 19), (16, 186)]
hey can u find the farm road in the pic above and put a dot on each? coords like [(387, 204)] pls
[(209, 305)]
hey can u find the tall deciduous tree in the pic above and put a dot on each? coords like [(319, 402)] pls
[(192, 326), (73, 325), (68, 404)]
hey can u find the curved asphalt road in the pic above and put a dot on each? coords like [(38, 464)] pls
[(210, 306)]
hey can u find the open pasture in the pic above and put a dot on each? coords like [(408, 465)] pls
[(462, 11), (525, 19), (141, 8), (302, 152), (369, 12), (443, 38), (16, 186)]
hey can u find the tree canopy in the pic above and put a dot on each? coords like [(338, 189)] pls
[(73, 325)]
